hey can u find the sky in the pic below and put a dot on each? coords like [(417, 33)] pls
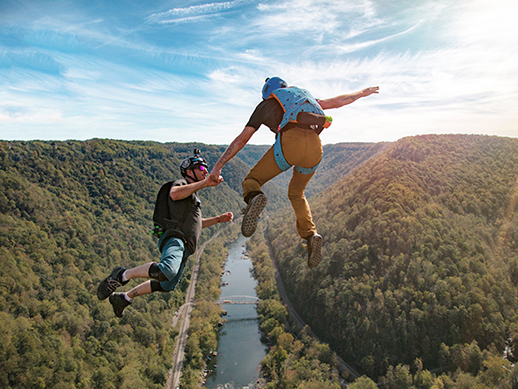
[(183, 71)]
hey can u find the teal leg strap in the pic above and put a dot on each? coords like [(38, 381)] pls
[(279, 157), (307, 170)]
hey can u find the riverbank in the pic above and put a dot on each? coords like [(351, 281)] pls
[(295, 358), (292, 359), (240, 349)]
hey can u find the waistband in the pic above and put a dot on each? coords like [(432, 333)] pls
[(290, 126)]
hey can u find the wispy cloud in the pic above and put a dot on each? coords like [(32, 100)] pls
[(352, 47), (333, 17), (192, 13), (82, 71)]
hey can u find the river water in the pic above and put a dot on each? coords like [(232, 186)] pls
[(239, 346)]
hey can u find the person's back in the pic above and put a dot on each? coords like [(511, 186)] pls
[(297, 119)]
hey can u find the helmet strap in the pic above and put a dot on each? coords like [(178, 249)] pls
[(193, 176)]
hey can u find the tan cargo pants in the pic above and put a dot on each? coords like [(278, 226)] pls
[(300, 148)]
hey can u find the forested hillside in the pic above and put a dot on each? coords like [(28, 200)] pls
[(71, 211), (420, 257)]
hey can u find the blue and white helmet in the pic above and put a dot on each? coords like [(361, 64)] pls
[(271, 84)]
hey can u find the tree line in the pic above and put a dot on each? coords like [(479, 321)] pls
[(417, 286), (419, 257), (69, 213)]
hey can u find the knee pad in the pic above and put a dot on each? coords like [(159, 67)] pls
[(156, 287), (156, 273)]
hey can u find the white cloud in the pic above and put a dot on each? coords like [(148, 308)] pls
[(314, 17), (461, 79), (21, 114), (189, 14)]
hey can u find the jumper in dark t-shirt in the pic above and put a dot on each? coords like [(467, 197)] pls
[(185, 215)]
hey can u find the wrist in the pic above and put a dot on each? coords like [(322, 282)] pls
[(217, 219)]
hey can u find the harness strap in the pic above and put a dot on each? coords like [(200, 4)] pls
[(283, 164), (279, 156), (307, 170)]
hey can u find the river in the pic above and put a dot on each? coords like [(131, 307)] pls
[(239, 346)]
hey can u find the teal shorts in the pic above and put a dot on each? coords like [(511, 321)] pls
[(172, 262)]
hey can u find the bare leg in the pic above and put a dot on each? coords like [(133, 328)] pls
[(141, 271), (142, 289)]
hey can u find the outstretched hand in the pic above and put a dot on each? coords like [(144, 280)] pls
[(226, 217), (369, 91)]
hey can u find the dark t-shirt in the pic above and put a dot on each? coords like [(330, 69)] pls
[(269, 112), (185, 216)]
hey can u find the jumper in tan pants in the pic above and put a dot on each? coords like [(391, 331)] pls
[(300, 148)]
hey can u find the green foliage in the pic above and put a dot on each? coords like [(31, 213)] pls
[(69, 213), (420, 261), (495, 372), (419, 256), (363, 382), (297, 361)]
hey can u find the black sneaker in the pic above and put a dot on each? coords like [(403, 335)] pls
[(119, 302), (314, 250), (110, 283), (251, 214)]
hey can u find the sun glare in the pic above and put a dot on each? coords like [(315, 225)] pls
[(488, 23)]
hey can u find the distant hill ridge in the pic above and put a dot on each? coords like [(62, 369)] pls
[(420, 254)]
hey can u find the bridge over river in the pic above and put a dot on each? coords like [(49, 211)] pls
[(239, 300)]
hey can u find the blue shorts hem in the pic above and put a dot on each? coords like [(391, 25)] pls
[(172, 262)]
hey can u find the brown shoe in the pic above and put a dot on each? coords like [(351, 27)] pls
[(251, 214), (314, 250)]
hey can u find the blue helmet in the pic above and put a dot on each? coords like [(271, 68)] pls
[(271, 84)]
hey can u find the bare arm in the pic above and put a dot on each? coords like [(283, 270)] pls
[(236, 145), (340, 101), (183, 191), (224, 218)]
